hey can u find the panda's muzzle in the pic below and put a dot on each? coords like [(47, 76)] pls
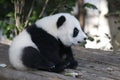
[(83, 41)]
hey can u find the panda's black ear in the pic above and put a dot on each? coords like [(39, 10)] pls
[(60, 21)]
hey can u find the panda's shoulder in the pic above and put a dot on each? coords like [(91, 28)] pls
[(37, 33)]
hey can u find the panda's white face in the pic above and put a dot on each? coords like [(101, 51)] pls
[(63, 26), (70, 31)]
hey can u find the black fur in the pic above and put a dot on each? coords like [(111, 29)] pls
[(75, 32), (60, 21), (50, 54)]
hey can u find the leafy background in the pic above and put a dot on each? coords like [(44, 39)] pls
[(16, 14)]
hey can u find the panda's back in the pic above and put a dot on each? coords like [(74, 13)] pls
[(45, 42), (35, 37)]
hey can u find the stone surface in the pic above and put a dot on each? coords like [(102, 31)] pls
[(93, 65)]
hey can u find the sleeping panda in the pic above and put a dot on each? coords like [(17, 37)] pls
[(45, 45)]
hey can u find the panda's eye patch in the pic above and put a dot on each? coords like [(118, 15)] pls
[(75, 32)]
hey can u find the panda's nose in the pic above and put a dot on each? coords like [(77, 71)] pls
[(85, 38), (79, 42)]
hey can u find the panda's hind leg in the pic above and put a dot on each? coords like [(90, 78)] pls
[(33, 59)]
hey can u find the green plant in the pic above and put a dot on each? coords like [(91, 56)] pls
[(19, 13), (89, 5)]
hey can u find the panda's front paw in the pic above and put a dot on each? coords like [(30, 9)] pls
[(66, 64), (50, 66), (72, 64)]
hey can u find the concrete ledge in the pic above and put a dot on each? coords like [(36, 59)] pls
[(93, 65)]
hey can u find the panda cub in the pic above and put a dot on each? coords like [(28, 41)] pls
[(45, 45)]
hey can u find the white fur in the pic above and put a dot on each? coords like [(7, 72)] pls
[(15, 51), (64, 33)]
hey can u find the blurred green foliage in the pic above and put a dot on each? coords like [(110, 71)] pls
[(7, 13), (89, 5)]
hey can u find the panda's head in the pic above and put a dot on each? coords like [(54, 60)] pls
[(69, 30), (65, 27)]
